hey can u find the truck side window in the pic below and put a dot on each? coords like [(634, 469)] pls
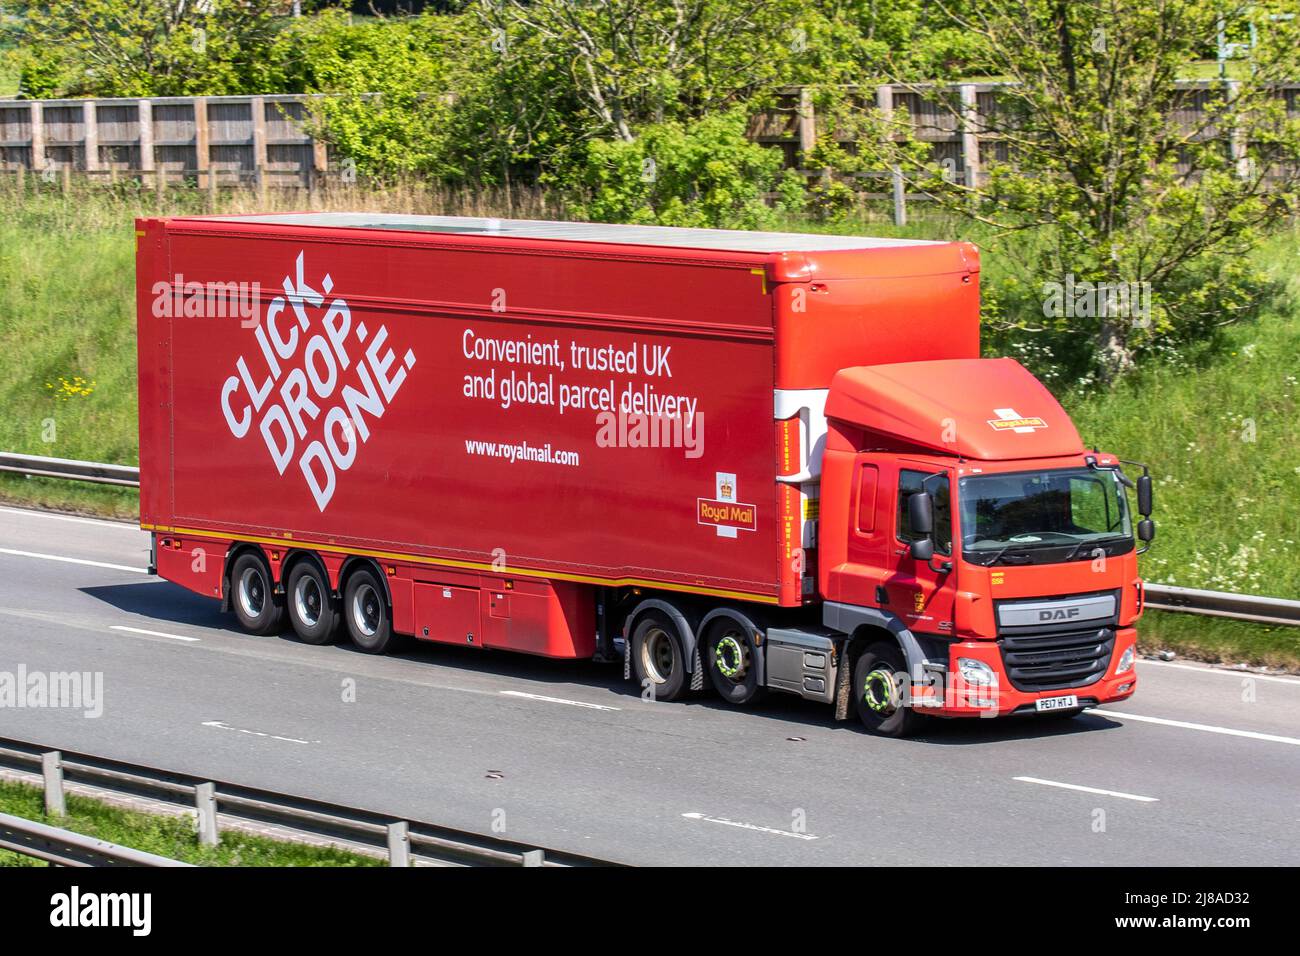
[(867, 475), (909, 482)]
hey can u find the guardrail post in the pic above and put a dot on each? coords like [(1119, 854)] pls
[(205, 802), (399, 844), (52, 771), (534, 857)]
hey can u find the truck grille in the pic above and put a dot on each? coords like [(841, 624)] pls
[(1037, 662)]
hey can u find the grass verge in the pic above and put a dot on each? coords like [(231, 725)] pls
[(164, 835)]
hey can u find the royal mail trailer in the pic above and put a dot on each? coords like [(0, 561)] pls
[(581, 440)]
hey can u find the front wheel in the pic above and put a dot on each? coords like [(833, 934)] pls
[(366, 610), (879, 689)]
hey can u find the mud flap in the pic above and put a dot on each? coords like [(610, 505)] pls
[(843, 684), (627, 659), (697, 672)]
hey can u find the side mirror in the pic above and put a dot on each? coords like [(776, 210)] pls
[(1144, 497), (922, 549), (920, 513), (1146, 530)]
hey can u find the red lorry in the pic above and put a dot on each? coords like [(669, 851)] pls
[(744, 461)]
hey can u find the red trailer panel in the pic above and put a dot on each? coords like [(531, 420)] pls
[(455, 395)]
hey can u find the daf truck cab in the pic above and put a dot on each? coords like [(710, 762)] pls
[(965, 525)]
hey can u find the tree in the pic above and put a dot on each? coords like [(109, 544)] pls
[(630, 62), (1093, 155), (388, 88), (141, 47)]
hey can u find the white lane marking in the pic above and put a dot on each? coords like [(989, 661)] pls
[(748, 826), (98, 522), (141, 630), (1220, 670), (1075, 786), (1207, 728), (222, 725), (60, 557), (558, 700)]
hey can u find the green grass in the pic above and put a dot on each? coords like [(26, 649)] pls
[(167, 836), (1219, 640), (1221, 439)]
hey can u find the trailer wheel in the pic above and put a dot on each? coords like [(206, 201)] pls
[(877, 695), (311, 612), (366, 611), (732, 662), (253, 596), (657, 657)]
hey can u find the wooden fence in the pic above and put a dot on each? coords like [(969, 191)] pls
[(241, 140), (212, 139)]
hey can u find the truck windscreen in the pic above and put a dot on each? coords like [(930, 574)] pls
[(1043, 517)]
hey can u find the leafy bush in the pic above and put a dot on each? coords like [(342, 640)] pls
[(677, 174)]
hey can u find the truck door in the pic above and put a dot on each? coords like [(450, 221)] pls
[(920, 595), (869, 561)]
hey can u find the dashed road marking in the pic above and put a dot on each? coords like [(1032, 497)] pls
[(1207, 728), (67, 560), (222, 725), (141, 630), (1096, 790), (748, 826), (558, 700)]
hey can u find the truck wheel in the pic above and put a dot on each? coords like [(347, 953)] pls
[(366, 610), (311, 612), (657, 657), (253, 596), (729, 656), (876, 694)]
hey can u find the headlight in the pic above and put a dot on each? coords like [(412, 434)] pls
[(1125, 662), (975, 671)]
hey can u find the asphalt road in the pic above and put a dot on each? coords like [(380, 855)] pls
[(1200, 767)]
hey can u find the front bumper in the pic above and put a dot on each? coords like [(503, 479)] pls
[(954, 697)]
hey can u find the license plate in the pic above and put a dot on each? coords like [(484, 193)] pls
[(1056, 703)]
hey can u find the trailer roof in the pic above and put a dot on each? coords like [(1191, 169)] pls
[(721, 239)]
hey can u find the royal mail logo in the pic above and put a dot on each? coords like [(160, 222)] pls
[(1010, 420), (320, 386), (726, 514)]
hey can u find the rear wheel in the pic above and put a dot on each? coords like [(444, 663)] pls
[(879, 689), (311, 610), (731, 662), (253, 596), (657, 657), (365, 608)]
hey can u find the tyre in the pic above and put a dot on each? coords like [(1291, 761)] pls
[(731, 662), (658, 660), (253, 597), (877, 695), (311, 609), (365, 609)]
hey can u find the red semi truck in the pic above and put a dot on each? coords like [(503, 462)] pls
[(744, 461)]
